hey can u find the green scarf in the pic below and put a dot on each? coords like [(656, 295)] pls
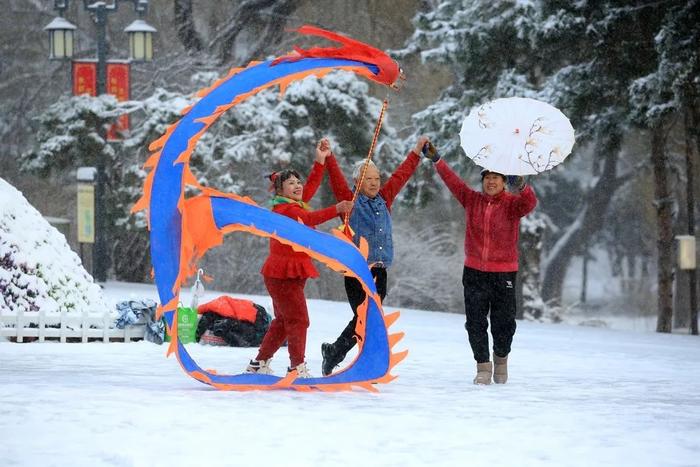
[(284, 200)]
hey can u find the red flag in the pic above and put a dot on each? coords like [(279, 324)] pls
[(118, 85), (84, 78)]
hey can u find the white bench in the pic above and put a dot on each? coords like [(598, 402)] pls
[(63, 326)]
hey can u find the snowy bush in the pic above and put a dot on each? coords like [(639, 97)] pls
[(38, 270)]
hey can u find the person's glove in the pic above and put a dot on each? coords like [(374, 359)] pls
[(431, 152), (515, 183)]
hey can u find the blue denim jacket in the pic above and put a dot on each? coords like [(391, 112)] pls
[(371, 219)]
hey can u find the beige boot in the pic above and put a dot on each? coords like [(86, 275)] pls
[(483, 373), (500, 369)]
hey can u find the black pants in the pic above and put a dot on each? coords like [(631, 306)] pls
[(492, 292), (356, 295)]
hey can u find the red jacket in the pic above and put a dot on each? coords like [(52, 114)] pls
[(229, 307), (284, 262), (493, 223)]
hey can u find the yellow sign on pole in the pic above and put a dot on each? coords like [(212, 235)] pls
[(86, 213)]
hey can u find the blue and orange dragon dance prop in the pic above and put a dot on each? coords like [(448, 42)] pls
[(183, 229)]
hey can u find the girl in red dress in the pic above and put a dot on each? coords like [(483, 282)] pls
[(285, 271)]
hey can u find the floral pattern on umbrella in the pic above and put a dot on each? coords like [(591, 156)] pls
[(517, 136)]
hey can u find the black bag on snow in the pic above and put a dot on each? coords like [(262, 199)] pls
[(236, 333)]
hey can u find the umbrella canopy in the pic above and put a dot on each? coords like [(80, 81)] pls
[(517, 136)]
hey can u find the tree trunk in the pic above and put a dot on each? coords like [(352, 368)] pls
[(584, 273), (692, 120), (529, 299), (664, 222), (184, 22), (588, 222)]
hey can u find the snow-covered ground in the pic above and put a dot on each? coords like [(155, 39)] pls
[(577, 396)]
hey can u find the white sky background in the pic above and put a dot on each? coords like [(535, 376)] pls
[(577, 396)]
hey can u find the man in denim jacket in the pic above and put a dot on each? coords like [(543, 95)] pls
[(371, 219)]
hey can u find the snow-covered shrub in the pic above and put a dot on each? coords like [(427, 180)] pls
[(38, 270)]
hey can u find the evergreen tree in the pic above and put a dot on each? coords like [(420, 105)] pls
[(670, 89)]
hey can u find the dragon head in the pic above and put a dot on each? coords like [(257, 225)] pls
[(389, 72)]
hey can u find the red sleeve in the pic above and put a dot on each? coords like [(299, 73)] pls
[(313, 181), (525, 202), (399, 178), (459, 189), (318, 217), (310, 218), (339, 185)]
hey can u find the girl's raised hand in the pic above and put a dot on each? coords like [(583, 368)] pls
[(323, 150), (344, 207)]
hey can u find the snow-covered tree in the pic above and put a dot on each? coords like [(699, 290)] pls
[(130, 234), (72, 133), (38, 270), (671, 87)]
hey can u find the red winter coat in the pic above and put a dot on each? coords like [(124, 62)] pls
[(284, 262), (493, 222)]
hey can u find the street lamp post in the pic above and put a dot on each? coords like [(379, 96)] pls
[(61, 41)]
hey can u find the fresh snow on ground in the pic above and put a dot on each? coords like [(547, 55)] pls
[(577, 396)]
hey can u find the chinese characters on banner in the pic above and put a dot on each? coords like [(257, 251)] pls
[(118, 86), (84, 78), (85, 82)]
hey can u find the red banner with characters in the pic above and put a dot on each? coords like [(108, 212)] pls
[(119, 86), (84, 78)]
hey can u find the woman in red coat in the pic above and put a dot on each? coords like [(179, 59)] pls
[(491, 261), (285, 271)]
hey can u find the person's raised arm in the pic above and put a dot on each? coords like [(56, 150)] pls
[(525, 201), (403, 172), (320, 216), (459, 189), (313, 181), (339, 185)]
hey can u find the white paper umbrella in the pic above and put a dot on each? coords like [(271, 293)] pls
[(517, 136)]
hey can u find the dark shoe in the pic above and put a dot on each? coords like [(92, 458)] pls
[(330, 358)]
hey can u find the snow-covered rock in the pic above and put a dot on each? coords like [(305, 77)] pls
[(38, 270)]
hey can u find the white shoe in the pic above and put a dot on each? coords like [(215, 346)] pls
[(302, 371), (259, 366)]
